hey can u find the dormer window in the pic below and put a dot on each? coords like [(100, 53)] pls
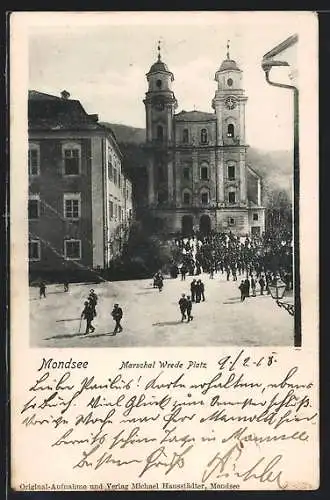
[(204, 136), (230, 130)]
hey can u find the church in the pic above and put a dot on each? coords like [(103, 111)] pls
[(198, 178)]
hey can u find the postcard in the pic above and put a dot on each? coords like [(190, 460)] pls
[(164, 251)]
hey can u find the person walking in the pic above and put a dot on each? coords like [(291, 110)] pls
[(160, 282), (117, 314), (88, 315), (189, 308), (262, 285), (66, 286), (183, 306), (242, 289), (93, 295), (193, 290), (202, 289), (198, 291), (42, 290), (183, 272), (247, 287)]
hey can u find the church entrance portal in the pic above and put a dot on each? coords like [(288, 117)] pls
[(205, 224), (187, 225)]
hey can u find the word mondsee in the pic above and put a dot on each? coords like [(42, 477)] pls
[(163, 364), (69, 364)]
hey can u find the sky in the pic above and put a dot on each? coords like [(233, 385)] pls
[(102, 59)]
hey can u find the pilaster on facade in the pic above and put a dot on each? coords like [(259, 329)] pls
[(177, 168), (195, 174), (170, 182), (151, 182)]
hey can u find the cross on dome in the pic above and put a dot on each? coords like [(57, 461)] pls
[(158, 48), (228, 43)]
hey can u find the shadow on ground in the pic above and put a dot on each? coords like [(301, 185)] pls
[(167, 323)]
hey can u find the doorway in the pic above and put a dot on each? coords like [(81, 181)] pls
[(187, 225), (205, 224)]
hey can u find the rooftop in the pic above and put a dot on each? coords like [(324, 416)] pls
[(229, 64), (46, 111), (194, 116)]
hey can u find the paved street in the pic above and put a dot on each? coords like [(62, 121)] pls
[(152, 318)]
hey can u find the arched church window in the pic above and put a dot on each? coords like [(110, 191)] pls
[(185, 135), (229, 82), (159, 84), (231, 172), (186, 198), (204, 173), (204, 197), (186, 173), (203, 136), (160, 133), (232, 197), (230, 130)]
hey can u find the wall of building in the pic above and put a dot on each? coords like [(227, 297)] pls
[(52, 228), (194, 132), (119, 201), (260, 212)]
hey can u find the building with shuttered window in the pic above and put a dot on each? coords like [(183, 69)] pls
[(80, 200)]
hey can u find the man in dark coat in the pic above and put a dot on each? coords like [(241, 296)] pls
[(183, 272), (253, 286), (262, 284), (88, 315), (183, 306), (93, 297), (193, 290), (247, 287), (242, 289), (42, 290), (189, 308), (201, 288), (117, 314)]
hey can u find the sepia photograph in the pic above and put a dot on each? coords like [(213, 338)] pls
[(163, 166)]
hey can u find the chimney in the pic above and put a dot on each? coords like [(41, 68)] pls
[(65, 94)]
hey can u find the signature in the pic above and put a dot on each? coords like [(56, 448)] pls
[(157, 459), (265, 470)]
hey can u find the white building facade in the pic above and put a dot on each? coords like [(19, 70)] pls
[(198, 179)]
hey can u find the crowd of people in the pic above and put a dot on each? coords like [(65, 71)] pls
[(256, 257)]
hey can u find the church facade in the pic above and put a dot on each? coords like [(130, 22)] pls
[(198, 178)]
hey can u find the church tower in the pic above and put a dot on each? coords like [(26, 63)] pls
[(229, 105), (160, 104)]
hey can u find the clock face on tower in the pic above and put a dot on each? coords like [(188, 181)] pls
[(230, 103)]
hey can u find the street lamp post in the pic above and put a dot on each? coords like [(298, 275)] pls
[(277, 290), (267, 64)]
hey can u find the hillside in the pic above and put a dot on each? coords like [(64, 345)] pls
[(126, 134), (275, 167)]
